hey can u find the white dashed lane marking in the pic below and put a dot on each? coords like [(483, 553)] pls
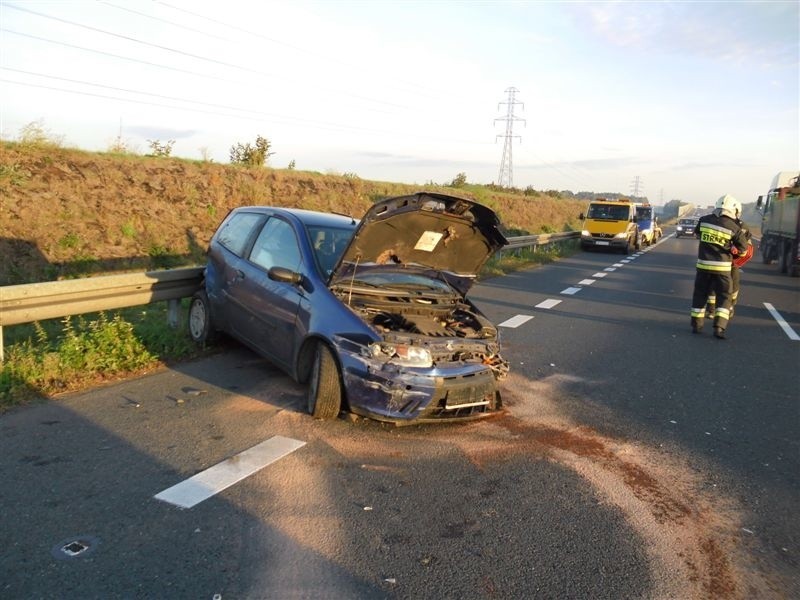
[(549, 303), (518, 320), (213, 480), (515, 321)]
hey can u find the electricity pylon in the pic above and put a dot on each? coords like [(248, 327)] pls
[(506, 176)]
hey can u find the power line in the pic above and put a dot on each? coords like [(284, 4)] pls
[(192, 55), (172, 23), (286, 120), (412, 85), (506, 176), (119, 56)]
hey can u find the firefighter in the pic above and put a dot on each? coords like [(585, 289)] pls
[(721, 238), (736, 264)]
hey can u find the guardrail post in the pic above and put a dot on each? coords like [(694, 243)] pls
[(2, 355)]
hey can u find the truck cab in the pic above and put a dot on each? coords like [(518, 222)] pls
[(780, 223), (610, 224), (647, 222)]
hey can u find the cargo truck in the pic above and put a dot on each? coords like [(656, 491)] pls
[(780, 222)]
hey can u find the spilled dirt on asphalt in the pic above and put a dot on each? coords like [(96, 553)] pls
[(690, 535)]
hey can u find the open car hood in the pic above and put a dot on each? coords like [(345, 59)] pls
[(424, 231)]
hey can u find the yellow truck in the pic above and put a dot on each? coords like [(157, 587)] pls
[(610, 224)]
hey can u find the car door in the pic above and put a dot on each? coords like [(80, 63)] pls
[(268, 308)]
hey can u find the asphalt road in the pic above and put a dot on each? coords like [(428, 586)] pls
[(635, 460)]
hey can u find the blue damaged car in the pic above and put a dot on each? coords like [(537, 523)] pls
[(372, 314)]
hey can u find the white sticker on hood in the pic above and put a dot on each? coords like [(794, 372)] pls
[(428, 240)]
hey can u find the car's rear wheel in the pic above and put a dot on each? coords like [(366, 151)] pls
[(325, 385), (201, 329)]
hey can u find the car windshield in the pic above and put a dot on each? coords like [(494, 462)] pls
[(644, 212), (329, 243), (687, 221), (610, 212)]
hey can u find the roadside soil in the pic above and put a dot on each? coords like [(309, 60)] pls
[(69, 213)]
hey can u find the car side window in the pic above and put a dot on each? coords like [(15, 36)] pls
[(238, 230), (276, 246)]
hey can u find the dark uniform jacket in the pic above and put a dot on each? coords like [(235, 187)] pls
[(721, 237)]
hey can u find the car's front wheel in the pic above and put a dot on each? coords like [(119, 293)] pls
[(201, 329), (325, 385)]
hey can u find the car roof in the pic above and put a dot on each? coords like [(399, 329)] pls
[(310, 218)]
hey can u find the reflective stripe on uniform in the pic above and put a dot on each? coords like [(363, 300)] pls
[(715, 234), (718, 266), (722, 313), (698, 313), (717, 228)]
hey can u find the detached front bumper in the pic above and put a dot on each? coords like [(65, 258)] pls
[(401, 395)]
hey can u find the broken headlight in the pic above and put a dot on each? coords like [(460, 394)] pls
[(404, 354)]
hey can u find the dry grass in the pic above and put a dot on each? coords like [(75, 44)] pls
[(69, 213)]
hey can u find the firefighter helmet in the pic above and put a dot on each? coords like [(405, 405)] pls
[(730, 205)]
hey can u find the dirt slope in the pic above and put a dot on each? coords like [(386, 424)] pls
[(70, 213)]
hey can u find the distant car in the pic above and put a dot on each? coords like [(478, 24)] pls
[(687, 226), (373, 314)]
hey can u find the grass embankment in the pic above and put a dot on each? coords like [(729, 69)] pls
[(70, 213)]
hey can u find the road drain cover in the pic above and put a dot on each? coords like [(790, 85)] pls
[(75, 547)]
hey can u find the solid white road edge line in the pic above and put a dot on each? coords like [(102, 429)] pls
[(515, 321), (787, 329), (205, 484)]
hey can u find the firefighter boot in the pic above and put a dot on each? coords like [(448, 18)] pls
[(719, 333), (697, 324)]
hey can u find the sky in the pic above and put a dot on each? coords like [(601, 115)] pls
[(673, 100)]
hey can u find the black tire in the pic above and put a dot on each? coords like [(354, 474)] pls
[(626, 249), (637, 242), (201, 329), (785, 256), (324, 385), (766, 252)]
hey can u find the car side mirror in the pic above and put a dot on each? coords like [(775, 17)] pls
[(581, 216)]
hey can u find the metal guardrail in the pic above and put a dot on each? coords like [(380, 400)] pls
[(528, 241), (31, 302)]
